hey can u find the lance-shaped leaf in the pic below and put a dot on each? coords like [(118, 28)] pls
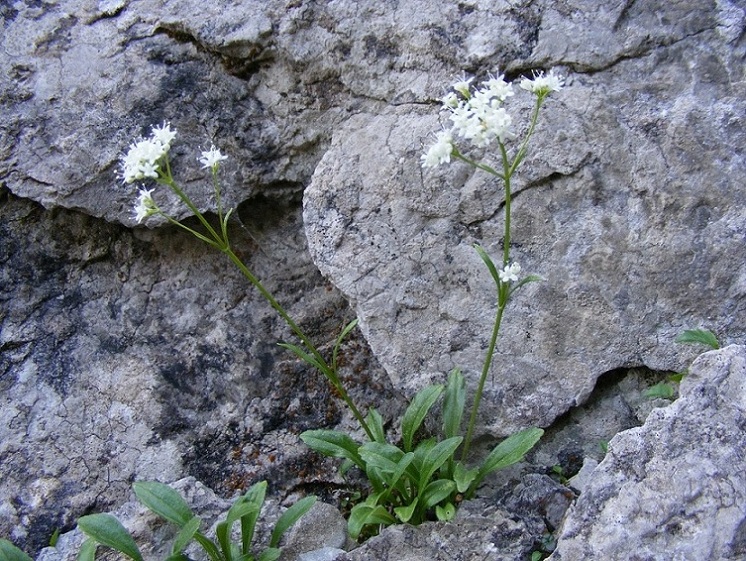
[(108, 531), (702, 336), (333, 443), (416, 413), (9, 552), (164, 501), (290, 517), (508, 452)]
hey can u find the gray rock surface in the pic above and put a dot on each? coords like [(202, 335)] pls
[(130, 355), (674, 488), (322, 529), (134, 353), (630, 205)]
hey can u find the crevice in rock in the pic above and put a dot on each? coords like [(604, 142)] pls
[(241, 67), (617, 403)]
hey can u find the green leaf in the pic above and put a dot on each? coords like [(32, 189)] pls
[(178, 557), (375, 423), (87, 551), (242, 507), (416, 413), (405, 513), (54, 538), (163, 501), (490, 264), (676, 377), (185, 535), (463, 477), (367, 513), (453, 403), (385, 456), (290, 517), (445, 513), (338, 343), (270, 554), (508, 452), (437, 491), (662, 390), (525, 280), (255, 495), (108, 531), (9, 552), (303, 355), (333, 443), (440, 453), (703, 336)]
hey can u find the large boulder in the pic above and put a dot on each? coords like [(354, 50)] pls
[(630, 205), (675, 487), (129, 353)]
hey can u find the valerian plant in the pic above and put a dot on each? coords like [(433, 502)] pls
[(415, 482), (106, 530), (411, 481)]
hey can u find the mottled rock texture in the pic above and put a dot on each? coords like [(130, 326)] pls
[(630, 205), (128, 353), (674, 488)]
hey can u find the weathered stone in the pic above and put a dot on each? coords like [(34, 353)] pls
[(629, 204), (145, 355), (137, 354), (675, 487), (322, 528)]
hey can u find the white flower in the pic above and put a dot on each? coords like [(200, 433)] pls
[(145, 205), (462, 86), (482, 119), (439, 152), (211, 158), (141, 160), (510, 273), (542, 84), (163, 134), (450, 101), (499, 88)]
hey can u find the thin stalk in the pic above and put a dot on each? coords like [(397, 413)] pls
[(480, 387), (330, 374), (222, 243)]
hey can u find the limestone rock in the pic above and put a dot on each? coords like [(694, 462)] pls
[(672, 489), (129, 354), (135, 355), (630, 205)]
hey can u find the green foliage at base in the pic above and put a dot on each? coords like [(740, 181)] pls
[(106, 530)]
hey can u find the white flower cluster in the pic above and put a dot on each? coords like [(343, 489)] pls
[(542, 84), (479, 116), (142, 159), (211, 158), (510, 273), (145, 205)]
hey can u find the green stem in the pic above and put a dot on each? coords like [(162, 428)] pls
[(329, 372), (480, 387), (221, 242)]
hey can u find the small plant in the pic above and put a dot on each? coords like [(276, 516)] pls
[(699, 336), (667, 389), (106, 530), (416, 480), (413, 482)]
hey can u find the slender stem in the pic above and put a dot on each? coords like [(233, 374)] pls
[(221, 242), (508, 198), (480, 387), (329, 372)]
